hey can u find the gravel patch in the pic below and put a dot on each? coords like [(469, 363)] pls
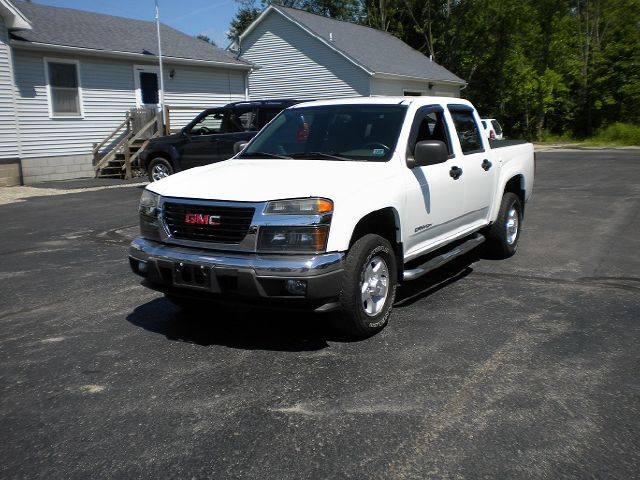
[(20, 194)]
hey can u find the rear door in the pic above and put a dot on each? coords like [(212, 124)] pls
[(240, 124), (478, 171), (434, 207)]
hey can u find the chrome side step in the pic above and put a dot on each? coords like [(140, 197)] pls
[(443, 258)]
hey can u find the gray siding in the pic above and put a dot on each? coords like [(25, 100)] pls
[(294, 64), (107, 93), (200, 88), (383, 86), (8, 127)]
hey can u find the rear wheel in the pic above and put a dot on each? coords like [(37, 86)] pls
[(368, 287), (504, 233), (159, 168)]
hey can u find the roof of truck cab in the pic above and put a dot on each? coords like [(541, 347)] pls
[(419, 101)]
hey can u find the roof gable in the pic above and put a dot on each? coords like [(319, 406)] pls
[(76, 28), (375, 51), (14, 19)]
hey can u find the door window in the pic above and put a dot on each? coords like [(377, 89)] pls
[(208, 124), (241, 120), (468, 132)]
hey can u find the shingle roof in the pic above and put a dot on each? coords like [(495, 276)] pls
[(77, 28), (377, 51)]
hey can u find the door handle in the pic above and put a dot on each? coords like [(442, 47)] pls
[(486, 164), (455, 173)]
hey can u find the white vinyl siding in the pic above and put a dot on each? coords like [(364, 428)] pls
[(291, 63), (200, 88), (107, 95), (385, 86), (8, 126)]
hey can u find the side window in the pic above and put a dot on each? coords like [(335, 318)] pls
[(433, 127), (240, 120), (64, 89), (208, 125), (267, 114), (468, 132)]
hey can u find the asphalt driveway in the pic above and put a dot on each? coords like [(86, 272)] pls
[(524, 368)]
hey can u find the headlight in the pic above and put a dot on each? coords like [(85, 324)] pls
[(149, 204), (293, 239), (299, 206)]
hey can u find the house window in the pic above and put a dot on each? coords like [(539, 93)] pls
[(412, 93), (64, 89)]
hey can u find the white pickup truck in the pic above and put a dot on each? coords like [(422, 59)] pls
[(332, 205)]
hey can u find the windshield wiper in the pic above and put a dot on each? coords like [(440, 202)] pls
[(319, 155), (262, 155)]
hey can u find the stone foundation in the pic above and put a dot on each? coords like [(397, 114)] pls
[(36, 170), (9, 172)]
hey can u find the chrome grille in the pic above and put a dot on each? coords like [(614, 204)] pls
[(232, 226)]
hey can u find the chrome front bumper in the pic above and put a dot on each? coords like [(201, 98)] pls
[(193, 271)]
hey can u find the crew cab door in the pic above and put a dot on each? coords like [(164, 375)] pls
[(240, 124), (434, 207), (479, 173)]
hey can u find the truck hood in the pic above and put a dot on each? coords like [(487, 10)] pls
[(263, 180)]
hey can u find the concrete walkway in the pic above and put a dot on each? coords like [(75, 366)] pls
[(63, 187)]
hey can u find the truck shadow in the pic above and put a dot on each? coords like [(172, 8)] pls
[(249, 328), (239, 327), (416, 290)]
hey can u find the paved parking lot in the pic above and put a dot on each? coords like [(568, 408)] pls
[(524, 368)]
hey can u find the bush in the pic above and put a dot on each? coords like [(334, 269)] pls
[(620, 134)]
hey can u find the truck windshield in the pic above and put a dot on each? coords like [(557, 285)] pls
[(332, 132)]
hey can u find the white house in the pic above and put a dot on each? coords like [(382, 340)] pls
[(68, 77), (296, 54)]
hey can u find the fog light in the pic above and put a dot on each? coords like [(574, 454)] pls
[(142, 266), (296, 287)]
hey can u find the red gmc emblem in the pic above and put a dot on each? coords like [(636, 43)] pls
[(200, 219)]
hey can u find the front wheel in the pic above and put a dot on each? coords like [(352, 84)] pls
[(368, 287), (504, 233), (159, 168)]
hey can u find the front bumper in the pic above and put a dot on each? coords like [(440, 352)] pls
[(212, 274)]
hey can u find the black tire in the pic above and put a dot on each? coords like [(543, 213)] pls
[(503, 235), (360, 317), (159, 168)]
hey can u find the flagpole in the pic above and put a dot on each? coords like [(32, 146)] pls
[(160, 64)]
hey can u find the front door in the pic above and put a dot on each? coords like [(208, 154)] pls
[(434, 197), (147, 86), (202, 140)]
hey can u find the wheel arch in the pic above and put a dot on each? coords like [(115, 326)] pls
[(514, 183), (385, 223)]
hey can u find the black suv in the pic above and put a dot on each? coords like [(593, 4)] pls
[(209, 137)]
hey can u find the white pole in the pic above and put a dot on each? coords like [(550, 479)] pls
[(160, 63)]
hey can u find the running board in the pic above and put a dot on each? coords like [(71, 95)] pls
[(440, 260)]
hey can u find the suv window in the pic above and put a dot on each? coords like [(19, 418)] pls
[(468, 132), (211, 123)]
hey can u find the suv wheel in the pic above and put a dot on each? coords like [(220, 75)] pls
[(159, 168)]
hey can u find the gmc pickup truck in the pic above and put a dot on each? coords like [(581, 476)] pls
[(332, 205)]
